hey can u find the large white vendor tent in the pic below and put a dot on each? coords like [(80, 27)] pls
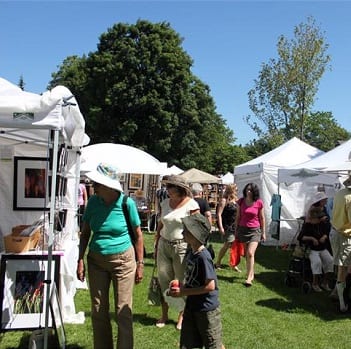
[(33, 125), (126, 158), (336, 161), (263, 171)]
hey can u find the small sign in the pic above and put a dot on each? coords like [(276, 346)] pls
[(23, 116)]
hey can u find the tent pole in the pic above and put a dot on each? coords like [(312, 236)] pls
[(51, 233)]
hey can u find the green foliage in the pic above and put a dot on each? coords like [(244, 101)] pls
[(138, 89), (285, 90), (268, 315), (322, 131)]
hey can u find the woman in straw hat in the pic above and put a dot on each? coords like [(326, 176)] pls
[(170, 246), (111, 257)]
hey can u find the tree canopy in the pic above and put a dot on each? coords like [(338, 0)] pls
[(137, 88), (284, 93)]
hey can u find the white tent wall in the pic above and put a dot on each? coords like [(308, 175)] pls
[(263, 171), (34, 125)]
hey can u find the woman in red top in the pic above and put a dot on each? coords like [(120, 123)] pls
[(250, 224)]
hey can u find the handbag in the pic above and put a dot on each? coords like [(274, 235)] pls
[(237, 250), (154, 295)]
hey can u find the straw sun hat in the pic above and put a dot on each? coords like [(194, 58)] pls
[(177, 181)]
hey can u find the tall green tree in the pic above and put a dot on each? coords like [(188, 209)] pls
[(137, 88), (323, 132), (284, 93)]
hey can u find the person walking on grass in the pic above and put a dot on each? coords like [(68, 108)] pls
[(111, 258), (202, 326), (340, 239), (226, 216), (170, 246), (250, 223)]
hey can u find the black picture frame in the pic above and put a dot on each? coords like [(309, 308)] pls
[(23, 277), (30, 183)]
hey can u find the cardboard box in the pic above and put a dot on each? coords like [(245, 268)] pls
[(15, 243)]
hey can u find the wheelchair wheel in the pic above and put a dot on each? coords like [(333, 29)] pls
[(306, 287), (288, 281)]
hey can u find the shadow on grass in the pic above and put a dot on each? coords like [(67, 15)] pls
[(24, 343), (295, 300)]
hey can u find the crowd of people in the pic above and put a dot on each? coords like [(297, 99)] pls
[(185, 267)]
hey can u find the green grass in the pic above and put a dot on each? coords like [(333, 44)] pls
[(267, 315)]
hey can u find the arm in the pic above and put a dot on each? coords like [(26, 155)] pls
[(83, 244), (262, 224), (183, 292), (220, 208), (310, 238), (237, 218), (139, 251), (157, 237), (208, 215), (85, 196)]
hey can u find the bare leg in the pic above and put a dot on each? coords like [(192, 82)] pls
[(164, 316), (340, 286), (180, 320), (222, 252), (250, 261)]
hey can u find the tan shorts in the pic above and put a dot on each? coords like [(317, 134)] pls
[(341, 247)]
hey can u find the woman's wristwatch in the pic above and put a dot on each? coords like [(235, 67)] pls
[(140, 262)]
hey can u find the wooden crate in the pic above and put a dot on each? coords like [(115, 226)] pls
[(16, 244)]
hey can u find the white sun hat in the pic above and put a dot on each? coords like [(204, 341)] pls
[(106, 175)]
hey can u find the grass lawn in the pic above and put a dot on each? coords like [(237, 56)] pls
[(267, 315)]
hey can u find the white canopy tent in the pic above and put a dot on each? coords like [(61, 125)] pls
[(264, 172), (33, 125), (173, 170), (228, 178), (328, 169), (320, 169), (126, 158)]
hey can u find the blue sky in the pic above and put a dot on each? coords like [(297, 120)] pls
[(228, 41)]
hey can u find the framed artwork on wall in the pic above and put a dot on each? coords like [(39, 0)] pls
[(23, 290), (29, 184), (135, 181), (122, 177)]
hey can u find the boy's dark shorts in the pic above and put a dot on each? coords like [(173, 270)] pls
[(201, 329)]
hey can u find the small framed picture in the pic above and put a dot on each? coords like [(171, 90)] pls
[(23, 290), (30, 183), (122, 177), (135, 181)]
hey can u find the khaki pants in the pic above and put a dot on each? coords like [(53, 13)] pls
[(170, 261), (120, 269)]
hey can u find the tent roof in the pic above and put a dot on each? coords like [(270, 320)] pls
[(290, 153), (338, 155), (228, 178), (336, 160), (173, 170), (57, 109), (197, 176), (126, 158)]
